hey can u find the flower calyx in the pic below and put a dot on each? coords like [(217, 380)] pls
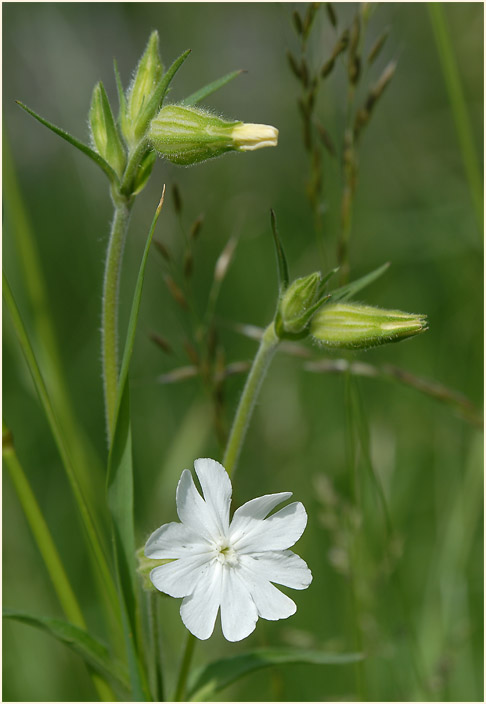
[(356, 326), (188, 135), (297, 305)]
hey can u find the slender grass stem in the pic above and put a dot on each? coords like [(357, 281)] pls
[(47, 547), (41, 533), (158, 682), (88, 466), (110, 309), (248, 398), (459, 109), (184, 671), (109, 588)]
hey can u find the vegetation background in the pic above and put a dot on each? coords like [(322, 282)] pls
[(411, 598)]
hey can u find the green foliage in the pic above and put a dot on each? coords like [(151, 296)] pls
[(214, 677), (94, 653)]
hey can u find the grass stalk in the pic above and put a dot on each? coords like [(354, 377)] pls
[(109, 590), (47, 547), (459, 108)]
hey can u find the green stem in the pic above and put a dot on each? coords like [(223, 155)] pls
[(256, 375), (110, 309), (158, 683), (184, 671), (459, 108)]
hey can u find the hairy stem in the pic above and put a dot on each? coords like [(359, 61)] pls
[(256, 375), (110, 309)]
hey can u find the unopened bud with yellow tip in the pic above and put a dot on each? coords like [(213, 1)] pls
[(355, 326), (188, 135)]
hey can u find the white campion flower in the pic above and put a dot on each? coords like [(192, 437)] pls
[(229, 566)]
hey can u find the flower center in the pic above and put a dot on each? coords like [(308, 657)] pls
[(225, 554)]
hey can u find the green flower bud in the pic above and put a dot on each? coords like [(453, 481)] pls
[(104, 132), (354, 326), (143, 86), (297, 305), (189, 135)]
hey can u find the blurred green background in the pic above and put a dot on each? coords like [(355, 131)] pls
[(413, 603)]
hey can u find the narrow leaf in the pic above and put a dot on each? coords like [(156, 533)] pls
[(216, 676), (93, 537), (210, 88), (93, 651), (120, 492), (94, 156), (121, 94), (282, 268), (345, 292), (162, 88)]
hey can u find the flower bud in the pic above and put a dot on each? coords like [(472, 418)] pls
[(104, 132), (297, 303), (143, 86), (354, 326), (187, 136)]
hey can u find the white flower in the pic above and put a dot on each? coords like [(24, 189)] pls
[(228, 566)]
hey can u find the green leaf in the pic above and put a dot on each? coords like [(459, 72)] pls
[(162, 88), (93, 651), (120, 493), (219, 674), (121, 95), (345, 292), (210, 88), (282, 268), (94, 156)]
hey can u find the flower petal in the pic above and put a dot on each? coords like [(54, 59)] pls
[(271, 603), (174, 540), (238, 611), (193, 510), (278, 532), (181, 577), (199, 610), (256, 509), (216, 486), (283, 567)]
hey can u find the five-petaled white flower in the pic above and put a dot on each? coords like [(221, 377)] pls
[(229, 566)]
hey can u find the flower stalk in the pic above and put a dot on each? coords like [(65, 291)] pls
[(109, 320), (267, 348)]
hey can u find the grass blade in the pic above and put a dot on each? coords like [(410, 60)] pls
[(210, 88), (120, 493), (91, 532), (94, 156), (41, 532), (217, 675), (89, 469), (93, 651), (459, 109)]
